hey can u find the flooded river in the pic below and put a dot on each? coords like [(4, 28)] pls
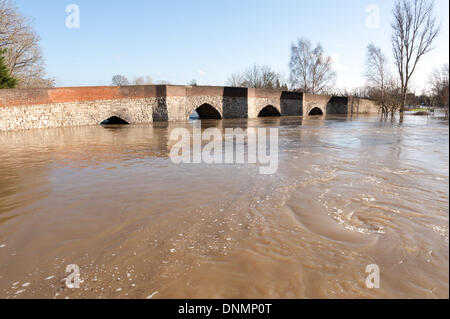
[(348, 193)]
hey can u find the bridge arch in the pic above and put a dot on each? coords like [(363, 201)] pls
[(265, 105), (208, 112), (114, 120), (269, 110), (315, 111)]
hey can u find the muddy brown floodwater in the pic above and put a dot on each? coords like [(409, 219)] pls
[(349, 192)]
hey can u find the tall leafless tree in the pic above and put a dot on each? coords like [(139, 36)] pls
[(377, 76), (310, 69), (376, 66), (414, 30), (23, 54)]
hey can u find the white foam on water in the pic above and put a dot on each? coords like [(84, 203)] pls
[(151, 295)]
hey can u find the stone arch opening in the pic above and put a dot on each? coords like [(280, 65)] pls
[(315, 111), (207, 112), (114, 120), (268, 111)]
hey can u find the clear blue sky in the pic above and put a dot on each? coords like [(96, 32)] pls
[(178, 41)]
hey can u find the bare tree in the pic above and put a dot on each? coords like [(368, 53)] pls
[(439, 82), (376, 66), (262, 77), (256, 76), (235, 80), (389, 99), (393, 97), (140, 80), (253, 77), (310, 69), (377, 77), (414, 30), (23, 54), (119, 80), (148, 80)]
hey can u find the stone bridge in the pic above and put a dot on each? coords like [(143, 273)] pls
[(76, 106)]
